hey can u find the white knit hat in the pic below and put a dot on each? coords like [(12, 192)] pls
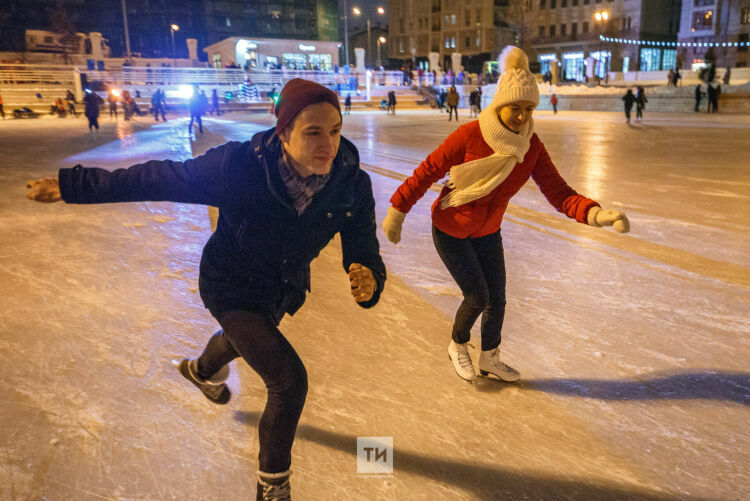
[(516, 82)]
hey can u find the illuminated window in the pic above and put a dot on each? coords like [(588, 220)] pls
[(702, 20), (745, 18)]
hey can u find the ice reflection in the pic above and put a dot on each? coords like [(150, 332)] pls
[(595, 166), (160, 141)]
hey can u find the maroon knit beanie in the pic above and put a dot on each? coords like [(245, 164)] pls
[(296, 95)]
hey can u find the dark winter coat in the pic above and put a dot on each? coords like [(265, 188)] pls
[(641, 100), (259, 257), (91, 105), (629, 99)]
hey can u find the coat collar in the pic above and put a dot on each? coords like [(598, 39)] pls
[(266, 148)]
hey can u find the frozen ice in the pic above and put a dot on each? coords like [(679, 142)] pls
[(633, 348)]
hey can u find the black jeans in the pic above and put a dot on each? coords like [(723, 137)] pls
[(195, 117), (478, 267), (256, 338), (451, 110), (93, 122)]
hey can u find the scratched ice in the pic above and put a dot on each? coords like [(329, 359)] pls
[(633, 348)]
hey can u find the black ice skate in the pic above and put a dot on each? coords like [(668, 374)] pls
[(214, 388)]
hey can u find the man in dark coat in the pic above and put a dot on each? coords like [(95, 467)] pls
[(698, 96), (91, 109), (197, 108), (282, 196), (629, 99), (158, 103)]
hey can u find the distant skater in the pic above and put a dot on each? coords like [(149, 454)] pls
[(640, 103), (452, 101), (215, 103), (112, 101), (629, 99), (158, 104), (348, 104), (195, 103), (91, 109), (553, 102)]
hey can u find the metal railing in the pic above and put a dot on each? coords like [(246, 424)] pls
[(30, 75)]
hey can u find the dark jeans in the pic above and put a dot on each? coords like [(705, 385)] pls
[(93, 122), (451, 110), (627, 112), (478, 267), (159, 109), (256, 338), (197, 118), (638, 112)]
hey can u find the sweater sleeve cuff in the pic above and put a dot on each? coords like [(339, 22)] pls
[(591, 217), (66, 180), (380, 279)]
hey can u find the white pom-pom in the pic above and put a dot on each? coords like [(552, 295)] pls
[(513, 57)]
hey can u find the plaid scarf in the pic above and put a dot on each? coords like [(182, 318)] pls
[(301, 189)]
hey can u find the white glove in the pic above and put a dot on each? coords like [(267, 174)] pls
[(392, 224), (609, 217)]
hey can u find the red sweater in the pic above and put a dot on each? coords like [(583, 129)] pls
[(483, 216)]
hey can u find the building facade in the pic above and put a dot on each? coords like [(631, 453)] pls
[(568, 40), (375, 50), (274, 53), (476, 29), (149, 21), (721, 26)]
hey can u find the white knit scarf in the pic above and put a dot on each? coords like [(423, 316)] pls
[(477, 178)]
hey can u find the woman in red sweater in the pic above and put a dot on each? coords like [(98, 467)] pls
[(488, 160)]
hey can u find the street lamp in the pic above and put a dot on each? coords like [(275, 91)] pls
[(603, 17), (172, 29), (358, 12), (125, 26), (380, 40)]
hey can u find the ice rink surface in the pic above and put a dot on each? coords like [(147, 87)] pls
[(633, 348)]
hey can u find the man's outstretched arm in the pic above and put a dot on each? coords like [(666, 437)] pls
[(201, 180)]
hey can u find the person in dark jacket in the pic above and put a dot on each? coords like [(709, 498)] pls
[(215, 103), (640, 103), (158, 103), (698, 96), (452, 101), (91, 109), (282, 196), (629, 99), (197, 108)]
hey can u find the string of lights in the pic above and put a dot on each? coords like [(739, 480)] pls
[(655, 43)]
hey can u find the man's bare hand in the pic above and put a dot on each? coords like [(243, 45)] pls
[(45, 190), (362, 282)]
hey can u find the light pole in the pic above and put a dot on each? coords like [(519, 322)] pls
[(380, 40), (358, 12), (603, 17), (172, 29), (346, 34), (125, 25)]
